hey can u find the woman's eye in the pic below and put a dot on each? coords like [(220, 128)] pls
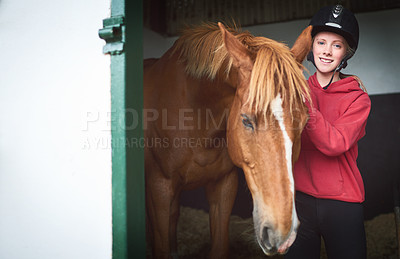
[(338, 46), (247, 122), (320, 42)]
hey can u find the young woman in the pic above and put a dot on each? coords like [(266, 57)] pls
[(329, 186)]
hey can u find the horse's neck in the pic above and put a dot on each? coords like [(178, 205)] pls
[(212, 102), (202, 102)]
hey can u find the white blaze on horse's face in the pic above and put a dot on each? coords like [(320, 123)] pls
[(277, 111)]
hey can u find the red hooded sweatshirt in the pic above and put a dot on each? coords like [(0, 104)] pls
[(327, 165)]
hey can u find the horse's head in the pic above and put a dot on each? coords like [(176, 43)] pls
[(264, 129)]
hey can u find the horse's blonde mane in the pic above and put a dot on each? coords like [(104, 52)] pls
[(275, 70)]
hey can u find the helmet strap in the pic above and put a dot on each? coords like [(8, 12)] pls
[(342, 64), (330, 81), (310, 57)]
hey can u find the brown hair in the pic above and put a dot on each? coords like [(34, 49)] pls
[(351, 52)]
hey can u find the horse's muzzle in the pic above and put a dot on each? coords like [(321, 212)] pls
[(272, 244)]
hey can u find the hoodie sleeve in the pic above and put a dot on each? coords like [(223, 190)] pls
[(339, 136)]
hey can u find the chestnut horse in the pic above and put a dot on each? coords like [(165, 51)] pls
[(219, 100)]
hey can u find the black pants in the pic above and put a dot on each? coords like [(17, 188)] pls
[(340, 224)]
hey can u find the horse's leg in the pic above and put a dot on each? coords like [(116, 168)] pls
[(159, 195), (221, 196), (173, 223)]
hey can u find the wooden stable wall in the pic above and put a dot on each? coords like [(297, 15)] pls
[(167, 17), (379, 162)]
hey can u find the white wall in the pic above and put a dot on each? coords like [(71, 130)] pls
[(376, 60), (55, 183)]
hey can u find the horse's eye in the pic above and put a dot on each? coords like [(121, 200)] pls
[(247, 122)]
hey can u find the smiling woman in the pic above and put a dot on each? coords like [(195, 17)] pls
[(329, 184)]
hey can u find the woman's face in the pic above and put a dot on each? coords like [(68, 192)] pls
[(329, 49)]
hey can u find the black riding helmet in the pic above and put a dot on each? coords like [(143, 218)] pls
[(339, 20)]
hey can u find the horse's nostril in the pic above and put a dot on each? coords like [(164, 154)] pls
[(265, 238), (268, 242)]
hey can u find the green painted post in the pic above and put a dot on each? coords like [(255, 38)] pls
[(123, 34), (119, 158)]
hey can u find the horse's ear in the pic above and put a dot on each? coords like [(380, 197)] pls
[(241, 56), (303, 44)]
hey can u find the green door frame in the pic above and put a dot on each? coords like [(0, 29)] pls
[(123, 34)]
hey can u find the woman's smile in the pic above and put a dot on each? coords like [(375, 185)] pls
[(325, 60)]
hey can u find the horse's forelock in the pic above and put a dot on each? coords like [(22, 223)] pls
[(275, 71)]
